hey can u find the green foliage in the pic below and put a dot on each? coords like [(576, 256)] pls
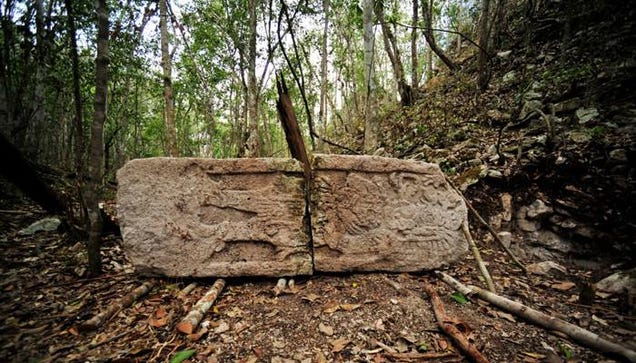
[(459, 298), (182, 355)]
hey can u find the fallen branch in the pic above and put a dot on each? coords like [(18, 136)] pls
[(480, 262), (188, 289), (192, 320), (488, 226), (419, 356), (124, 302), (447, 326), (582, 336)]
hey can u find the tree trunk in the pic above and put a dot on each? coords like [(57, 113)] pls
[(79, 146), (392, 50), (427, 12), (323, 72), (371, 122), (96, 151), (414, 63), (484, 35), (166, 64), (253, 141)]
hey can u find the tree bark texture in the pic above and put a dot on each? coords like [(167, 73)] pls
[(414, 62), (100, 318), (392, 50), (166, 64), (96, 151), (254, 139), (483, 35), (371, 122), (323, 71), (427, 12), (190, 322), (446, 324)]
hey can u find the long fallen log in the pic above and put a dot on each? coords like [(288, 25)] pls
[(192, 320), (99, 319), (582, 336), (447, 326)]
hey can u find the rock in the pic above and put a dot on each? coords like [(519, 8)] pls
[(497, 115), (532, 95), (509, 77), (551, 241), (506, 238), (567, 105), (206, 217), (585, 115), (43, 225), (530, 107), (542, 268), (580, 137), (504, 54), (523, 223), (506, 203), (619, 155), (379, 214), (494, 174), (618, 282), (538, 209)]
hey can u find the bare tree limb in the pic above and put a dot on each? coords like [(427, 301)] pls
[(581, 336), (99, 319), (480, 262), (192, 320), (488, 226), (447, 326)]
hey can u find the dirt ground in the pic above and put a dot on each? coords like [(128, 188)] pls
[(376, 317)]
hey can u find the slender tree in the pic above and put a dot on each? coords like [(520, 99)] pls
[(483, 36), (166, 63), (323, 69), (414, 62), (393, 51), (371, 121), (96, 151), (427, 12)]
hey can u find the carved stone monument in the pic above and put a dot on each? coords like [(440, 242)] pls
[(372, 213), (205, 217)]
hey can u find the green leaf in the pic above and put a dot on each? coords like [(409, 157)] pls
[(422, 346), (566, 351), (459, 297), (182, 355)]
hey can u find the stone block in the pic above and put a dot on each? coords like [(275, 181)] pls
[(371, 213), (205, 217)]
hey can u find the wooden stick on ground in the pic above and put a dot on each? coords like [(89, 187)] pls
[(581, 336), (192, 320), (480, 262), (488, 226), (188, 289), (124, 302), (445, 323)]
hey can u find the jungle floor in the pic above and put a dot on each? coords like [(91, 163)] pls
[(377, 317)]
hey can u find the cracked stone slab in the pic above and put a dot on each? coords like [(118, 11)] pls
[(221, 218), (371, 213)]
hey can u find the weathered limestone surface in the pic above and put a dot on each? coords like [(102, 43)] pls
[(205, 217), (372, 213)]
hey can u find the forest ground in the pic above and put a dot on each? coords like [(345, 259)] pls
[(377, 317)]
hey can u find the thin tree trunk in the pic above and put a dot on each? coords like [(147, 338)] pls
[(323, 72), (371, 122), (171, 131), (77, 96), (253, 141), (482, 58), (392, 50), (96, 151), (414, 62), (427, 11)]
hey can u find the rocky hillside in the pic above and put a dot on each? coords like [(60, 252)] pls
[(546, 153)]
